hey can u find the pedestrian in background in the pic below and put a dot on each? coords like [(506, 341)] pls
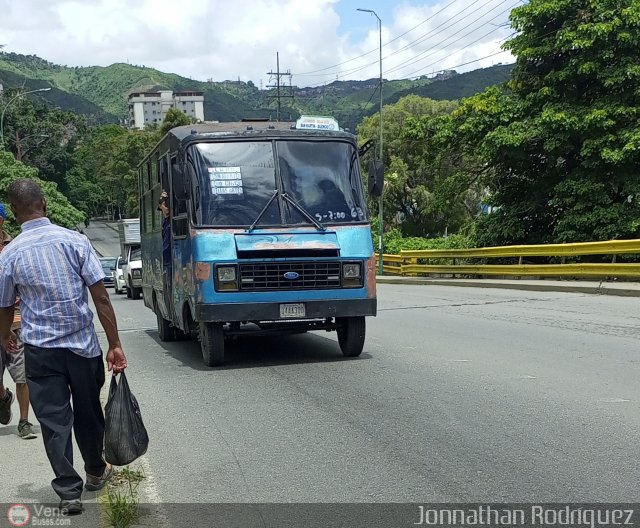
[(53, 269), (14, 364)]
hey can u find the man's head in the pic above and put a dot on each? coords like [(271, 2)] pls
[(163, 204), (26, 200)]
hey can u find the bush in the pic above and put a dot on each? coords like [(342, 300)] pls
[(394, 243)]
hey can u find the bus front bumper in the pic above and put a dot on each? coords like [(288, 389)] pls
[(230, 312)]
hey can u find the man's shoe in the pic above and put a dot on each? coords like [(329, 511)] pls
[(5, 407), (24, 430), (97, 483), (71, 507)]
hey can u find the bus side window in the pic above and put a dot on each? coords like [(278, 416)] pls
[(195, 194), (179, 217)]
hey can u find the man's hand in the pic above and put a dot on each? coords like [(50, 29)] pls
[(116, 360), (10, 342)]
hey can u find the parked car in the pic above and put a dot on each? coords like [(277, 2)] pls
[(119, 282), (109, 268)]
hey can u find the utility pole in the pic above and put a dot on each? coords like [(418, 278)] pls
[(380, 198), (282, 90)]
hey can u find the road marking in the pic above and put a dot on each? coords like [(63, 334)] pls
[(614, 400), (526, 376), (461, 360), (152, 495)]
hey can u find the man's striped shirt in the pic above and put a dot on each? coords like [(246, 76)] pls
[(50, 267)]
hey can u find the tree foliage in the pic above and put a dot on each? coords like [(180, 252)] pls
[(172, 119), (59, 209), (106, 170), (41, 137), (564, 139), (416, 181)]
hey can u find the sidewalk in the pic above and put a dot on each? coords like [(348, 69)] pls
[(26, 474), (623, 289)]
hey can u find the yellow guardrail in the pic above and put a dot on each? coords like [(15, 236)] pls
[(407, 262)]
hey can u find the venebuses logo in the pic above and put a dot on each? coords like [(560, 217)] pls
[(18, 515)]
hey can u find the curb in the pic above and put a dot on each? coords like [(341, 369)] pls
[(619, 291)]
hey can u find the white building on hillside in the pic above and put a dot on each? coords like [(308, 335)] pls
[(146, 108)]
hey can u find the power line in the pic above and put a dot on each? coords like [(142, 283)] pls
[(447, 24), (376, 49), (434, 49), (415, 42), (431, 33)]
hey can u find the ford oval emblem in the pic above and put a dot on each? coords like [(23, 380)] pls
[(291, 275)]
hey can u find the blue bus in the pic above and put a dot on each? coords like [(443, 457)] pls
[(269, 234)]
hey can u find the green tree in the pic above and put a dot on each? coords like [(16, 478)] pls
[(172, 119), (413, 177), (59, 210), (564, 141), (106, 169), (42, 137)]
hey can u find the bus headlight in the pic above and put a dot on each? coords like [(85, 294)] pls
[(352, 274), (227, 274), (226, 278)]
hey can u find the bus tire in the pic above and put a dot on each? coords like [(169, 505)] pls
[(166, 332), (212, 343), (351, 335)]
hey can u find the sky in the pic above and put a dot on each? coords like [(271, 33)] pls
[(318, 41)]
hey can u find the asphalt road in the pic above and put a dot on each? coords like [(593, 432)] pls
[(104, 238), (461, 395)]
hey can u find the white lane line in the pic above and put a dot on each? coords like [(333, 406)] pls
[(614, 400), (526, 376), (151, 494)]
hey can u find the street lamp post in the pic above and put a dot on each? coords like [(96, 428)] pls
[(380, 198), (4, 109)]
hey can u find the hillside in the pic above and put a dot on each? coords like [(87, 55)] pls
[(57, 97), (101, 92)]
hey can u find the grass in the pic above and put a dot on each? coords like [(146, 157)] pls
[(121, 498)]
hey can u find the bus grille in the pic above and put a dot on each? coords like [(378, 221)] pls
[(318, 275)]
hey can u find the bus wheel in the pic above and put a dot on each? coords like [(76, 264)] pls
[(166, 332), (212, 343), (351, 334)]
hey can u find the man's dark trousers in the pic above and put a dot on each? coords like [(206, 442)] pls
[(54, 375)]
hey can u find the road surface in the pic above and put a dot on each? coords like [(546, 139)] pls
[(461, 395)]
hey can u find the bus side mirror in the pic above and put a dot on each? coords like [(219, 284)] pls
[(178, 183), (376, 178)]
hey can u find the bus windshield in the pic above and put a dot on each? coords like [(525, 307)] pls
[(236, 180)]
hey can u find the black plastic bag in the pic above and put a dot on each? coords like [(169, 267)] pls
[(125, 437)]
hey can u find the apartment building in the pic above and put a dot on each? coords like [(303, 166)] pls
[(146, 108)]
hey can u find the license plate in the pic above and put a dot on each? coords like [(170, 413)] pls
[(292, 310)]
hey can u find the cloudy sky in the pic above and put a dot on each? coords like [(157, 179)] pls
[(318, 40)]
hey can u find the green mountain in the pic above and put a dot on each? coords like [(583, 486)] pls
[(101, 92)]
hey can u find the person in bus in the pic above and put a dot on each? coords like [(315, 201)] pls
[(163, 205)]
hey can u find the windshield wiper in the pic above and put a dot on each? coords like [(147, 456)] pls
[(303, 212), (264, 210)]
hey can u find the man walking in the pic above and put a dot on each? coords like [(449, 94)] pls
[(52, 268), (14, 363)]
